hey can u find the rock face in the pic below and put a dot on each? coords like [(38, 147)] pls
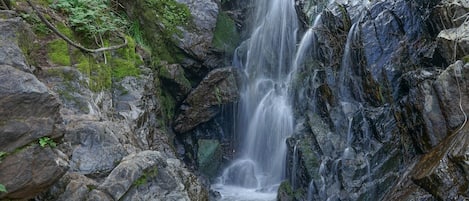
[(31, 171), (149, 175), (14, 35), (108, 135), (203, 103), (378, 105), (204, 16), (110, 144), (29, 111)]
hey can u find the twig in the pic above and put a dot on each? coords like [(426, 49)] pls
[(5, 5), (68, 40)]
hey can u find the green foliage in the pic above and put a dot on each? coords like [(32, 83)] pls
[(162, 19), (38, 27), (170, 13), (218, 95), (168, 104), (3, 189), (136, 32), (91, 17), (146, 176), (466, 59), (2, 155), (46, 141), (58, 52), (141, 180), (123, 62)]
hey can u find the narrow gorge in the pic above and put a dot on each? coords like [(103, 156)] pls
[(234, 100)]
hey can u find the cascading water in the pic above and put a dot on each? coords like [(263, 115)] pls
[(265, 114)]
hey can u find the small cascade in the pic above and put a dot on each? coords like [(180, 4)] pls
[(349, 153), (295, 165), (311, 191), (347, 85), (303, 52)]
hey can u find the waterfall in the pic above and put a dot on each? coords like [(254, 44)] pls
[(265, 114)]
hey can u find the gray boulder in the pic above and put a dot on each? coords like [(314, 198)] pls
[(197, 40), (149, 175), (95, 147), (30, 171), (28, 110), (15, 35)]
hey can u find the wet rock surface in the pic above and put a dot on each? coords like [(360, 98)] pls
[(380, 99)]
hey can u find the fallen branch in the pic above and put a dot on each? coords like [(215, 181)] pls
[(68, 40), (5, 5)]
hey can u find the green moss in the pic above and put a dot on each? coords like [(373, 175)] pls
[(168, 104), (286, 188), (466, 59), (162, 19), (39, 28), (122, 68), (65, 30), (178, 77), (225, 37), (58, 52), (146, 176), (310, 158)]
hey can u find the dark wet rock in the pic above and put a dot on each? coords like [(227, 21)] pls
[(28, 109), (397, 104), (452, 88), (442, 171), (174, 79), (203, 103), (30, 171), (458, 38)]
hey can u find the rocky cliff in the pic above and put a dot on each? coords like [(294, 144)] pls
[(381, 103), (79, 126)]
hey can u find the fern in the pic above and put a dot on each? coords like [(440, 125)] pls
[(91, 17)]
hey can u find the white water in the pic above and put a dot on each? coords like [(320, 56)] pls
[(265, 114)]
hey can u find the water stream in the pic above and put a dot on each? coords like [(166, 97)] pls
[(265, 114)]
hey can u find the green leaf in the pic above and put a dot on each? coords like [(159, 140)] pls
[(3, 189)]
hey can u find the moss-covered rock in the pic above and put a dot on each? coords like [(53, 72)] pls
[(226, 36), (175, 81)]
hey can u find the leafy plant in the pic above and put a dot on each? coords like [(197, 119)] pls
[(46, 141), (94, 18), (171, 14), (218, 95), (3, 189), (2, 155)]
